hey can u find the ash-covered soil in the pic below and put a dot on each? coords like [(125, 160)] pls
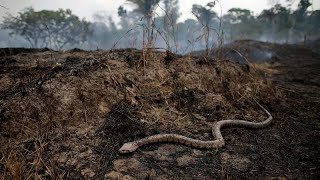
[(64, 115)]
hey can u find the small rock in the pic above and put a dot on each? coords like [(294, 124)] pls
[(62, 158), (103, 108), (152, 173), (129, 168), (158, 156), (72, 161), (87, 172), (237, 162), (169, 149), (125, 165), (127, 177), (113, 175), (162, 177), (200, 117), (185, 160)]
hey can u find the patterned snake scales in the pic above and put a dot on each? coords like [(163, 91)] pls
[(219, 142)]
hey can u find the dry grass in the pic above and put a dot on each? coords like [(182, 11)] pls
[(14, 168), (266, 68), (182, 95)]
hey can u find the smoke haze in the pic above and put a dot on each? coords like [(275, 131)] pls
[(186, 34)]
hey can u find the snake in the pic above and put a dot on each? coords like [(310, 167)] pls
[(195, 143)]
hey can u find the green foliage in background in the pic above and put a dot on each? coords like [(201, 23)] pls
[(156, 21), (41, 28)]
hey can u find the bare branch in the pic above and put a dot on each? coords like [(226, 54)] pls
[(4, 7)]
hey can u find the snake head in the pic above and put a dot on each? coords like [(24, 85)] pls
[(128, 148)]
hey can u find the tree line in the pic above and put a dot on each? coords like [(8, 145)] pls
[(155, 23)]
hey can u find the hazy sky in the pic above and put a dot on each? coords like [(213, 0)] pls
[(86, 8)]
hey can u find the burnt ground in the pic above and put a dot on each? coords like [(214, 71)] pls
[(64, 115)]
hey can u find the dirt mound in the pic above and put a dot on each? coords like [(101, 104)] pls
[(15, 51), (244, 52), (313, 44), (65, 115)]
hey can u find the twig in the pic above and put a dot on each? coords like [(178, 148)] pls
[(4, 7), (249, 63)]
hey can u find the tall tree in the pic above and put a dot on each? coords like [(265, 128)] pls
[(170, 19), (313, 23), (123, 14), (243, 23), (171, 8), (240, 15), (302, 9), (206, 16), (146, 8), (277, 21), (40, 28), (301, 16)]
